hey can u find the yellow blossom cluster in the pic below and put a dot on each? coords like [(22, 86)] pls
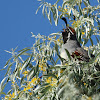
[(83, 33), (76, 23), (52, 81), (25, 73), (10, 97), (86, 98), (28, 88), (65, 11), (30, 93), (42, 67), (49, 38), (31, 83), (42, 64), (55, 40)]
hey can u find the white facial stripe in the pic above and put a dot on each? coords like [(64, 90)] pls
[(70, 30), (68, 36)]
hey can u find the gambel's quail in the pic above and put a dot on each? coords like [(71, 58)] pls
[(72, 45)]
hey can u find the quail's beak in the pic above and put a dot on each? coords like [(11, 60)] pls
[(64, 30)]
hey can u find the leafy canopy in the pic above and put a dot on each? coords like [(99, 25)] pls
[(36, 73)]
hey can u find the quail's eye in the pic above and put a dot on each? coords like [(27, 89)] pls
[(67, 30)]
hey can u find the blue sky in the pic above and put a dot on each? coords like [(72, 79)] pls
[(17, 21)]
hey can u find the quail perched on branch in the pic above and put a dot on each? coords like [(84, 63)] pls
[(72, 45)]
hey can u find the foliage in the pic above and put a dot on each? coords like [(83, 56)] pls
[(39, 72)]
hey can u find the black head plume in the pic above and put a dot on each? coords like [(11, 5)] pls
[(64, 19), (68, 33)]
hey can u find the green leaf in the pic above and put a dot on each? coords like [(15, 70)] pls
[(22, 51), (97, 39), (49, 16), (22, 80), (1, 84), (38, 8), (37, 68), (91, 41), (80, 9), (26, 62), (2, 93), (45, 89), (56, 48), (86, 3), (68, 54), (2, 69), (50, 74), (43, 9), (7, 62), (9, 68), (57, 1), (4, 86), (45, 84)]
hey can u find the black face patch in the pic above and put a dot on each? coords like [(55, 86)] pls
[(65, 36), (68, 34)]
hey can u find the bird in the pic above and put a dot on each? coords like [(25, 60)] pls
[(71, 44)]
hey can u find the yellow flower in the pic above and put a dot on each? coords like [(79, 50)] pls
[(61, 41), (49, 38), (9, 98), (25, 89), (42, 67), (13, 95), (83, 33), (55, 41), (38, 97), (76, 23), (20, 68), (57, 75), (38, 80), (13, 82), (25, 73), (96, 60), (84, 83), (65, 10), (54, 37), (48, 80), (18, 92), (52, 84), (33, 80), (58, 40), (6, 97), (61, 71), (89, 98), (30, 93), (59, 6), (28, 88), (52, 81)]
